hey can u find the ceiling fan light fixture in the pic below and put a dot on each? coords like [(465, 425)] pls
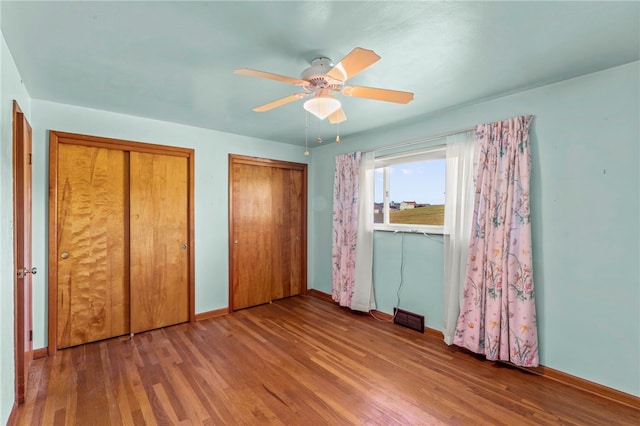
[(322, 106)]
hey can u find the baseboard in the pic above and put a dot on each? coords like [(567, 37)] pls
[(40, 353), (547, 372), (320, 295), (13, 415), (212, 314), (382, 315), (434, 333), (587, 386)]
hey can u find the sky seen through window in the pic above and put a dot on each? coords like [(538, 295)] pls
[(422, 182)]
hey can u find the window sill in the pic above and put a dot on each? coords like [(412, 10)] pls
[(411, 229)]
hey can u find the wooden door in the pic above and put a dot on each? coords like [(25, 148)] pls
[(22, 250), (287, 250), (159, 241), (92, 250), (121, 227), (267, 246), (251, 236)]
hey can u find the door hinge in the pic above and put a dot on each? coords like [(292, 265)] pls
[(29, 158), (31, 335)]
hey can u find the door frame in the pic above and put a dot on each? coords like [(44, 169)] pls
[(55, 139), (22, 243), (267, 162)]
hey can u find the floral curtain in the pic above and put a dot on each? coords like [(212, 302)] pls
[(345, 226), (498, 315)]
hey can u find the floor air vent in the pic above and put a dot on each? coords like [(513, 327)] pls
[(409, 319)]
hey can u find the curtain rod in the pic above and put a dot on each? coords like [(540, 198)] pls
[(417, 141)]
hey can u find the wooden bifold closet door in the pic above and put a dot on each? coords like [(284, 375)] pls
[(267, 230), (120, 244), (92, 260), (158, 237)]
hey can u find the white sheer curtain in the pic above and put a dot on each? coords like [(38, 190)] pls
[(363, 297), (459, 199)]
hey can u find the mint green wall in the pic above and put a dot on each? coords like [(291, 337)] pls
[(211, 189), (585, 210), (585, 206), (11, 88)]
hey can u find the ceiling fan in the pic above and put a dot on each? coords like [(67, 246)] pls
[(322, 79)]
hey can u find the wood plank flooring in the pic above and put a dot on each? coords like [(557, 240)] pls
[(298, 361)]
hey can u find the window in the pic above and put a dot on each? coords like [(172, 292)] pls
[(409, 190)]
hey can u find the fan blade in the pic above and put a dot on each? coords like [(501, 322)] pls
[(337, 117), (276, 77), (357, 60), (378, 94), (280, 102)]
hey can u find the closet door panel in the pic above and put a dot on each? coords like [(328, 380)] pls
[(159, 250), (251, 235), (296, 240), (279, 251), (287, 194), (92, 254)]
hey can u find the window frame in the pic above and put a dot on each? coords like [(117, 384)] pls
[(435, 152)]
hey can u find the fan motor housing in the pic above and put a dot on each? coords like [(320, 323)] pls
[(316, 75)]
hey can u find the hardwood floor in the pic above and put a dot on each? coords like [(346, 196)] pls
[(298, 361)]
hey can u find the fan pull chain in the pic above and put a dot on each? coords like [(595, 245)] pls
[(337, 132), (319, 139), (306, 134)]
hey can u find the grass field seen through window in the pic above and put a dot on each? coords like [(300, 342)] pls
[(427, 215)]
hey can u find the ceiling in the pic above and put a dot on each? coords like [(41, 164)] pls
[(174, 61)]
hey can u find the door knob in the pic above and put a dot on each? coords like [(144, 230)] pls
[(64, 255)]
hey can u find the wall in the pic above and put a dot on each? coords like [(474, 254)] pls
[(585, 206), (585, 191), (11, 88), (211, 189)]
